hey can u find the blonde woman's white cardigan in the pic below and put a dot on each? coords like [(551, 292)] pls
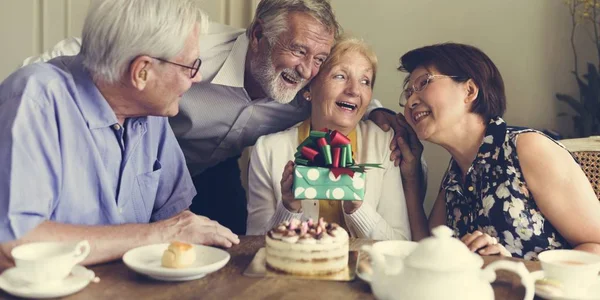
[(383, 214)]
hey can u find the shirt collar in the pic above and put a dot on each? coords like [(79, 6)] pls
[(95, 109), (490, 152), (232, 72)]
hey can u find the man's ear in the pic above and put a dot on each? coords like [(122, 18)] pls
[(472, 91), (256, 34), (140, 71)]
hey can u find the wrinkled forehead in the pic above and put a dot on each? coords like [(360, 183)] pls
[(304, 28), (191, 47), (354, 57)]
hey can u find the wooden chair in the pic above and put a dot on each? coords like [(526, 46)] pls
[(587, 152)]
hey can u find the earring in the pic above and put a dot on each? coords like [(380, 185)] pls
[(143, 74), (306, 95)]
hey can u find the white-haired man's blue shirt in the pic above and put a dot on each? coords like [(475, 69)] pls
[(65, 158)]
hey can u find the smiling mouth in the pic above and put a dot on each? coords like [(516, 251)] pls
[(420, 116), (347, 105), (290, 79)]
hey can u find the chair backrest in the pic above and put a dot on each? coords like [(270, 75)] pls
[(587, 152), (590, 163)]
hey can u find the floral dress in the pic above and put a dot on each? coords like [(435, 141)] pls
[(495, 200)]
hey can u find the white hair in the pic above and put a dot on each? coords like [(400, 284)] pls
[(115, 32), (274, 16)]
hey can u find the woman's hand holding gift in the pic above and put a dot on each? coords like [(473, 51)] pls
[(351, 206), (287, 196)]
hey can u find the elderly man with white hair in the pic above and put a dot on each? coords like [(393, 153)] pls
[(87, 151), (251, 80)]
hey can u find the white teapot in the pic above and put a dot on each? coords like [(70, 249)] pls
[(441, 267)]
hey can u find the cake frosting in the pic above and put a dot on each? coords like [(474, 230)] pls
[(307, 248)]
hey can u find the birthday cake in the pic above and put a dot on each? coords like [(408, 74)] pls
[(307, 248)]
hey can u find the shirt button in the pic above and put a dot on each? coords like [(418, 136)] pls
[(471, 188), (116, 127)]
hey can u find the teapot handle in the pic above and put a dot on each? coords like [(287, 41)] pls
[(515, 267)]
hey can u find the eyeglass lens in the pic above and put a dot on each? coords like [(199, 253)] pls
[(194, 69), (418, 85)]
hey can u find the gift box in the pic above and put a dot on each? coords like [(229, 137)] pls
[(325, 168), (321, 183)]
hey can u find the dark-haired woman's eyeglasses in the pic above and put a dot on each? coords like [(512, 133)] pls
[(419, 84), (193, 69)]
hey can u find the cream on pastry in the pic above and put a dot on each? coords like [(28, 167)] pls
[(179, 255)]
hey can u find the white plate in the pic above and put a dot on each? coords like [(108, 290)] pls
[(593, 292), (146, 260), (79, 278)]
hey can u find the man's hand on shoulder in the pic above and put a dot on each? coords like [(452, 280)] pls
[(386, 119)]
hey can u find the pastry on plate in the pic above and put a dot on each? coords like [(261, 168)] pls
[(179, 255)]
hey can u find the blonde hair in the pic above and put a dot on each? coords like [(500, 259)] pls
[(347, 45)]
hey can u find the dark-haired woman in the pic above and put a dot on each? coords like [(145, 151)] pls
[(506, 191)]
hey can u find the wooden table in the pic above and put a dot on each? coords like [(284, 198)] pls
[(119, 282)]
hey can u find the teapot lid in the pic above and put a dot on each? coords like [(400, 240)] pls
[(442, 252)]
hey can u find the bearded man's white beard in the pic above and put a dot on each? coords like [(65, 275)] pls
[(263, 71)]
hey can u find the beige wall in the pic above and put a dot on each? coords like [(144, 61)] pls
[(29, 27), (528, 40)]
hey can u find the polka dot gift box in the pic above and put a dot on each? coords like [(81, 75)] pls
[(325, 168)]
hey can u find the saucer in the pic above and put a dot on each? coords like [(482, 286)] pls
[(79, 278), (556, 293), (146, 260)]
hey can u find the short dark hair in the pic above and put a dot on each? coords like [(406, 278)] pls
[(467, 62)]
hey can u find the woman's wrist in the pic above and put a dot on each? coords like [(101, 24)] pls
[(293, 206), (414, 174), (351, 206)]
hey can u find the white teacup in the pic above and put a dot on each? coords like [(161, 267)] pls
[(575, 270), (48, 262), (394, 252)]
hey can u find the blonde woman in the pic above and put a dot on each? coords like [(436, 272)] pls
[(339, 97)]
